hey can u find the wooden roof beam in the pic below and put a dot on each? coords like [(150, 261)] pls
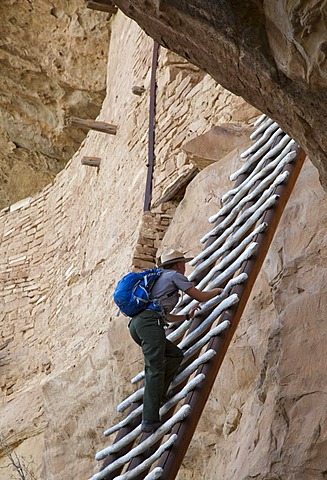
[(91, 161), (93, 125), (105, 6)]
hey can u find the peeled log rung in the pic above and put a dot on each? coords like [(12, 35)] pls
[(91, 161), (93, 125), (108, 6)]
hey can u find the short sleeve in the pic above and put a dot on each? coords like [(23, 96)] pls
[(181, 282)]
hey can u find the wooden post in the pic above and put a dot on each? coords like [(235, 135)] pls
[(151, 135), (93, 125), (105, 6), (91, 161)]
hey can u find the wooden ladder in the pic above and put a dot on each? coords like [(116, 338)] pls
[(234, 250)]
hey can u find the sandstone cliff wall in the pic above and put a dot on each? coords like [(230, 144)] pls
[(45, 48), (66, 359)]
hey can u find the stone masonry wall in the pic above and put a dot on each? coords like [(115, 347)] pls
[(189, 108), (152, 229)]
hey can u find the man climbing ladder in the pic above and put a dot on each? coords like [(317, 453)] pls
[(161, 357)]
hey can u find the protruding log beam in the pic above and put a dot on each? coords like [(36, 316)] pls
[(137, 90), (93, 125), (91, 161), (107, 6)]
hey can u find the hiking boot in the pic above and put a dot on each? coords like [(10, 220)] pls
[(149, 426)]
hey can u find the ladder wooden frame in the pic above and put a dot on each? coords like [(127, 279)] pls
[(172, 459), (169, 463)]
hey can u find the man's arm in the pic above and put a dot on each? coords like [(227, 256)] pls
[(178, 318), (203, 296), (200, 297)]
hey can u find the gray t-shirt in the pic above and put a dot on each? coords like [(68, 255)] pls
[(169, 283)]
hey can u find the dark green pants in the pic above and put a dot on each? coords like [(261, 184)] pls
[(161, 359)]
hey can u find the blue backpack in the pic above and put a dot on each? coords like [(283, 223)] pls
[(133, 292)]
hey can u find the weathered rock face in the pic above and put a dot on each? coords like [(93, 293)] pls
[(273, 54), (53, 66)]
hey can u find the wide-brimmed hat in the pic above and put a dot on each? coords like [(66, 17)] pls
[(172, 256)]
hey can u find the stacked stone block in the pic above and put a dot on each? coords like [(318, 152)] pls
[(152, 230)]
